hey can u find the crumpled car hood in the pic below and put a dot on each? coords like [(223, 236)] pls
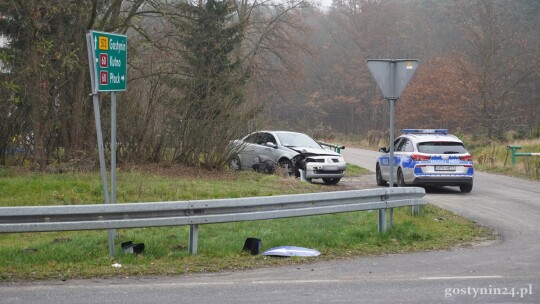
[(314, 151)]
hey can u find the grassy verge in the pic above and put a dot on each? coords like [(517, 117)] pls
[(496, 158), (354, 170), (84, 254), (142, 185)]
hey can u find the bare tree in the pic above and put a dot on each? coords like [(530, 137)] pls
[(48, 62), (198, 85), (501, 58)]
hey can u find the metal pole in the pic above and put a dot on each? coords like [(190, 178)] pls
[(392, 103), (391, 179), (390, 217), (112, 232), (113, 147), (392, 106), (193, 239), (382, 220), (416, 210), (101, 151)]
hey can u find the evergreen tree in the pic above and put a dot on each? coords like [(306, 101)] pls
[(213, 81)]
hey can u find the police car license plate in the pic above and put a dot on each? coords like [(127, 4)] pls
[(445, 168), (330, 168)]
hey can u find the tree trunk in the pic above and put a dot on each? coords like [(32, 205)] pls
[(37, 92)]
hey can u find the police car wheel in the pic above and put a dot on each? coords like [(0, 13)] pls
[(378, 176), (465, 188), (400, 179)]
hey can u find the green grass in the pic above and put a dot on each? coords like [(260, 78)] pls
[(84, 254), (496, 158), (85, 188), (354, 170)]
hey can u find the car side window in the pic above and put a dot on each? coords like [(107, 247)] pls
[(396, 143), (265, 138), (270, 138), (261, 139), (252, 139), (400, 146), (409, 147)]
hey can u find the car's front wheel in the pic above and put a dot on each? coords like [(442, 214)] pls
[(378, 176), (465, 188), (287, 167), (331, 181)]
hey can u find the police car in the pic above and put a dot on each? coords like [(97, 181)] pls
[(427, 158)]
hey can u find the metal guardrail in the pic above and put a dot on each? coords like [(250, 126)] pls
[(337, 148), (193, 213), (515, 154)]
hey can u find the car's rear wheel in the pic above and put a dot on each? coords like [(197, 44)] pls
[(287, 167), (234, 163), (378, 176), (400, 178), (331, 181), (466, 188)]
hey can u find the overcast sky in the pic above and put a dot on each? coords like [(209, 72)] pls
[(324, 3)]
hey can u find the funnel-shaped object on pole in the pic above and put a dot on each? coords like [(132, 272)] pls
[(392, 75)]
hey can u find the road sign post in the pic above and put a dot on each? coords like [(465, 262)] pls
[(107, 58), (392, 76)]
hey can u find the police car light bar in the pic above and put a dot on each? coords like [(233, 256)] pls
[(425, 131)]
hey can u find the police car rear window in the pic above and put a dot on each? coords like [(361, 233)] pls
[(441, 147)]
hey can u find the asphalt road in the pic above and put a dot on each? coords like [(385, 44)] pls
[(504, 271)]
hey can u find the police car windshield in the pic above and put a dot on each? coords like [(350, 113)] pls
[(441, 147)]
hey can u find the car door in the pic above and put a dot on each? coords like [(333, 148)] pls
[(385, 161), (258, 145), (250, 150), (399, 149), (269, 148), (403, 158)]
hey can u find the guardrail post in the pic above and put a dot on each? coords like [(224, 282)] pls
[(513, 149), (193, 239), (382, 220), (416, 210), (515, 154)]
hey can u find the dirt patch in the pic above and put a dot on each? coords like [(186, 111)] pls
[(180, 171), (366, 181)]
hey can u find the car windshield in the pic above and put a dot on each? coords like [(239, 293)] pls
[(297, 140), (441, 147)]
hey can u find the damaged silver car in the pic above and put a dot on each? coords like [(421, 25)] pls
[(292, 151)]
